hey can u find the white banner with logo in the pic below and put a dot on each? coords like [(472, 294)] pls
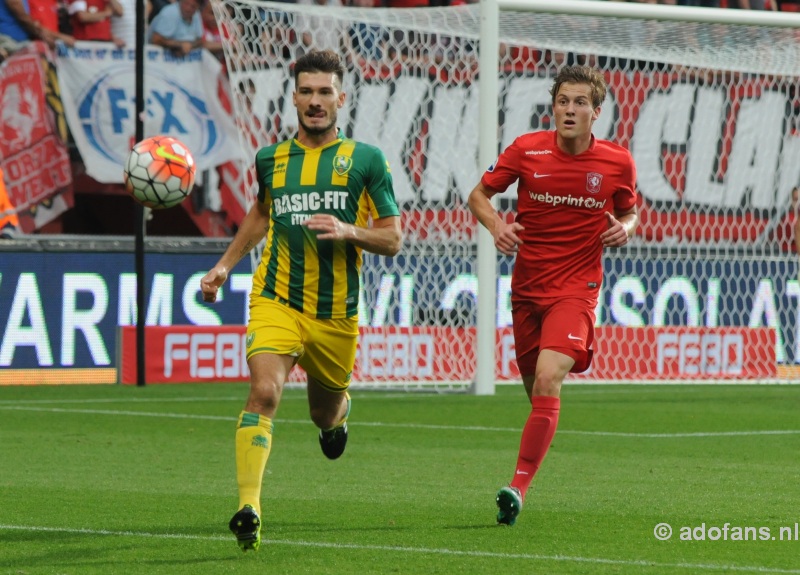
[(182, 99), (33, 146)]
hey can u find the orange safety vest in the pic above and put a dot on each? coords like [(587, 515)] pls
[(8, 216)]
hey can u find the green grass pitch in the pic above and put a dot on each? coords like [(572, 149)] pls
[(109, 479)]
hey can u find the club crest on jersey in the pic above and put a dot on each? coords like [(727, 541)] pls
[(593, 182), (342, 164)]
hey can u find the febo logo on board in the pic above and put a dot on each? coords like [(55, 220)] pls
[(652, 353), (207, 355), (184, 353), (181, 354), (697, 354)]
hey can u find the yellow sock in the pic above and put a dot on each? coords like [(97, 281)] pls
[(253, 444)]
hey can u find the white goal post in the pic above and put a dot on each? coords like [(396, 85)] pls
[(707, 101)]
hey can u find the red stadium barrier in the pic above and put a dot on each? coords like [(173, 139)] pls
[(180, 354)]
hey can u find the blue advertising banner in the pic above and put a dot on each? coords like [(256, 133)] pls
[(62, 310)]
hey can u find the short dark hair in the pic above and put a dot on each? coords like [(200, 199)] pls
[(581, 75), (326, 61)]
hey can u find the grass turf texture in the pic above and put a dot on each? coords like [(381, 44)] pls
[(108, 479)]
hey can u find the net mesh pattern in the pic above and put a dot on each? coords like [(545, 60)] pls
[(710, 113)]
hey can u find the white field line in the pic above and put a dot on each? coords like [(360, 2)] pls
[(639, 563), (124, 400), (240, 398), (117, 412), (365, 395)]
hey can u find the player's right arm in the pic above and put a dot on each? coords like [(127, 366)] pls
[(505, 235), (254, 227)]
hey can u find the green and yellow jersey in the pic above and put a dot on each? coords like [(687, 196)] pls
[(347, 179)]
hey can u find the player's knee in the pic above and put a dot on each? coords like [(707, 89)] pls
[(324, 417), (548, 382), (263, 399)]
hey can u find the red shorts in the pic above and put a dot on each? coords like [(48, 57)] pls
[(562, 325)]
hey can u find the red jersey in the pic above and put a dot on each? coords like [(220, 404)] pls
[(562, 200), (408, 3), (89, 31), (45, 12)]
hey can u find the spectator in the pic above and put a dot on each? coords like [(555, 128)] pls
[(212, 37), (124, 27), (247, 93), (155, 6), (9, 220), (46, 13), (178, 27), (318, 34), (366, 43), (91, 20), (17, 27), (754, 4), (795, 213), (407, 3), (785, 235), (278, 36)]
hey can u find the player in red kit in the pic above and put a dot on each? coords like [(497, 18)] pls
[(576, 196)]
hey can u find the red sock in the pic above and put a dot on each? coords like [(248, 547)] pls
[(536, 437)]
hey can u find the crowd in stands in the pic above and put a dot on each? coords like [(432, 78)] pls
[(184, 25), (187, 24)]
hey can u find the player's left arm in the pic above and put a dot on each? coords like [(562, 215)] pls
[(622, 223), (384, 237)]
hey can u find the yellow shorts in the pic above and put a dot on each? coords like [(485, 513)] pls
[(325, 348)]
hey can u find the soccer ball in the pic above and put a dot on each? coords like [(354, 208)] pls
[(159, 172)]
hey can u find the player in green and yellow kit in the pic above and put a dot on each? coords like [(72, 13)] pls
[(322, 199)]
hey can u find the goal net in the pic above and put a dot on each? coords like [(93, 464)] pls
[(708, 289)]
